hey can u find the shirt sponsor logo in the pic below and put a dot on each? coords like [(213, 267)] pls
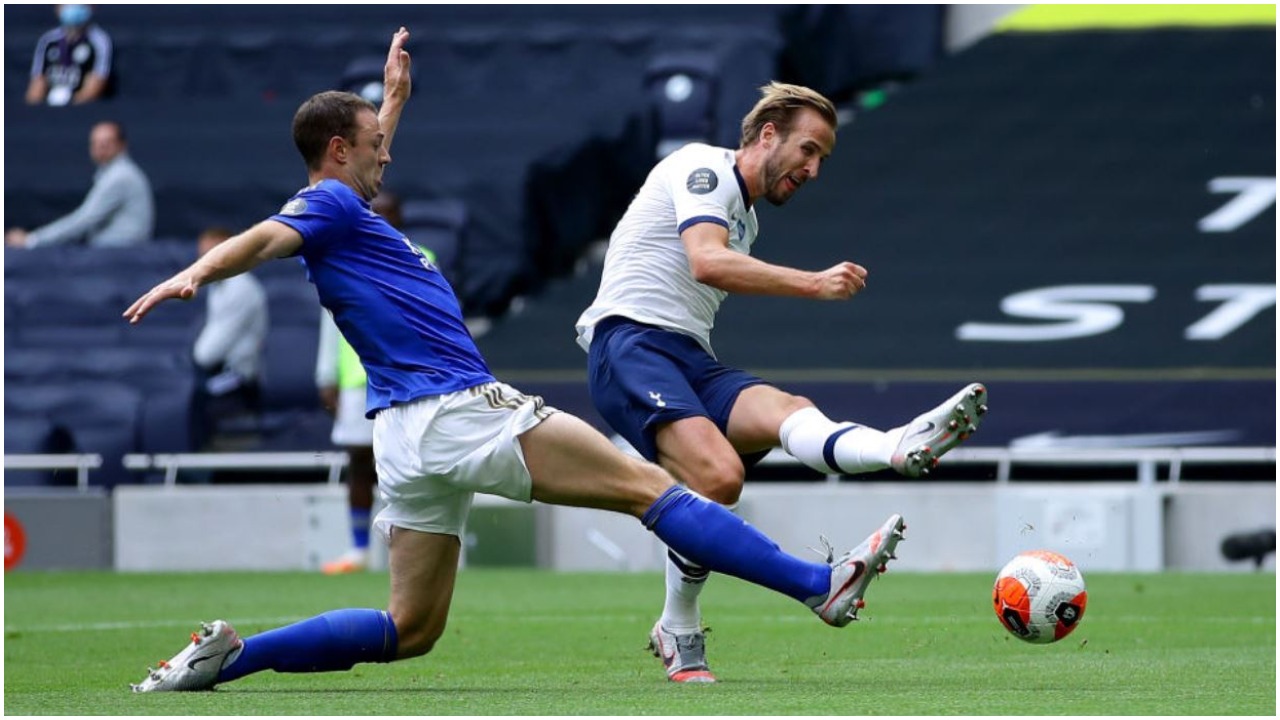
[(702, 181)]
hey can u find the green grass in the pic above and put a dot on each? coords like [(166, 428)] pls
[(538, 643)]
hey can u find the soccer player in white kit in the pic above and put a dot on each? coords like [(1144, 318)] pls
[(683, 245)]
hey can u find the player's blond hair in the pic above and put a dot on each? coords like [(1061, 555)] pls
[(779, 104)]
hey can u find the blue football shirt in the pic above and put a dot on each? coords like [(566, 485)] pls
[(392, 305)]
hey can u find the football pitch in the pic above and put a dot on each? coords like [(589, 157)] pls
[(525, 642)]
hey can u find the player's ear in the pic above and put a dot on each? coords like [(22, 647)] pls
[(338, 148), (768, 135)]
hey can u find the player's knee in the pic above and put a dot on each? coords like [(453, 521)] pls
[(720, 482), (416, 637), (718, 478), (795, 403), (725, 491)]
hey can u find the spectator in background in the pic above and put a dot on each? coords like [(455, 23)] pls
[(72, 62), (119, 209), (228, 353), (341, 381)]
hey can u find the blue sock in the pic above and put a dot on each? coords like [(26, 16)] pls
[(336, 640), (360, 528), (708, 534)]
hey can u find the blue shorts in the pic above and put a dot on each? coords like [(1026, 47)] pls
[(643, 376)]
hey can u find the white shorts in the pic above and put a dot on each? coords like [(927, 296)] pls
[(350, 427), (434, 454)]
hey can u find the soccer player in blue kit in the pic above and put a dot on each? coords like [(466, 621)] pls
[(444, 427), (682, 246)]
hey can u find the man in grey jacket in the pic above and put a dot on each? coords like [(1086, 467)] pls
[(119, 209)]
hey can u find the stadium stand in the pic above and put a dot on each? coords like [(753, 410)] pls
[(100, 417), (972, 185), (64, 334), (531, 128), (164, 378)]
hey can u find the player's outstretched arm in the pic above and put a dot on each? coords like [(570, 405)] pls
[(714, 263), (396, 86), (266, 240)]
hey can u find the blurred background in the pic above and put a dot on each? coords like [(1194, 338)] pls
[(1072, 204)]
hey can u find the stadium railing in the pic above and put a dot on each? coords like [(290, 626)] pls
[(1146, 462), (171, 463), (82, 463)]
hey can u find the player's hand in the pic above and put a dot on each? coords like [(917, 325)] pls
[(396, 80), (181, 287), (841, 282)]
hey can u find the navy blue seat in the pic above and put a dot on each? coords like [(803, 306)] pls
[(288, 378), (683, 89), (68, 338), (294, 431), (291, 301), (129, 269), (363, 76), (167, 381)]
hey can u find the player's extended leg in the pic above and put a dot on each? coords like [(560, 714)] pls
[(424, 570), (698, 455), (423, 573), (572, 464), (912, 449)]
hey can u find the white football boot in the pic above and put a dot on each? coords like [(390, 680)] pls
[(196, 667), (854, 571), (685, 656), (934, 433)]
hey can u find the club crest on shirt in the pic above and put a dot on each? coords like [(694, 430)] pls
[(296, 206), (702, 181)]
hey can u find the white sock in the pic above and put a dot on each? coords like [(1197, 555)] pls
[(815, 440), (680, 614)]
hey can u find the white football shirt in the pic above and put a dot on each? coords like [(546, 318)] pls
[(646, 269)]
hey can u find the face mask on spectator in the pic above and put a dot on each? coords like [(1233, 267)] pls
[(74, 14)]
